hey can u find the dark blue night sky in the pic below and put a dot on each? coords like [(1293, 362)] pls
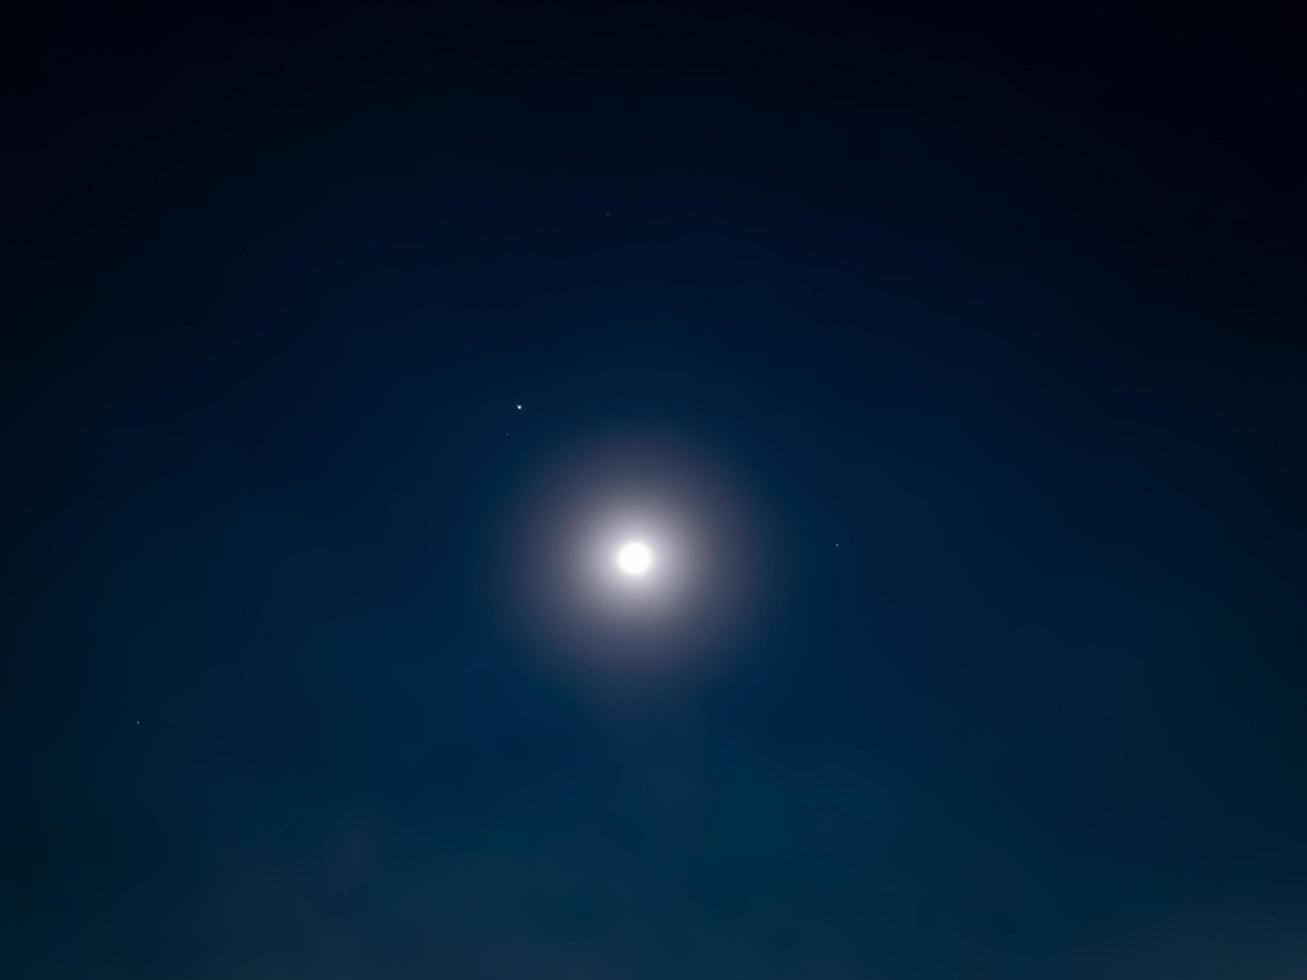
[(996, 320)]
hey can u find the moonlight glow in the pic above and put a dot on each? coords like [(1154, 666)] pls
[(634, 558)]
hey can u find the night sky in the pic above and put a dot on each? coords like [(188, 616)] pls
[(992, 320)]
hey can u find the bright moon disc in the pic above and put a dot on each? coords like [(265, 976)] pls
[(634, 558)]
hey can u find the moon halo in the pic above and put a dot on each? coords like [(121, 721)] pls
[(634, 557)]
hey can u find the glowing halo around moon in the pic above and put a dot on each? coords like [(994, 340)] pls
[(631, 559)]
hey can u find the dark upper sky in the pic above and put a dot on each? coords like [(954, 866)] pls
[(1009, 305)]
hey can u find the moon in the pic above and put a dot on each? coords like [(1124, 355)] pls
[(634, 559)]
